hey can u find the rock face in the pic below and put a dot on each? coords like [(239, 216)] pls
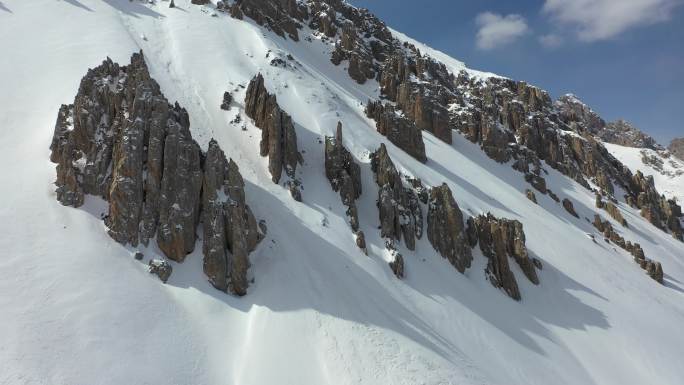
[(399, 207), (662, 212), (446, 230), (569, 207), (278, 136), (230, 229), (179, 203), (161, 269), (227, 99), (121, 140), (500, 239), (615, 213), (510, 120), (271, 15), (343, 173), (399, 130), (623, 133), (361, 241), (397, 266), (653, 269), (676, 147)]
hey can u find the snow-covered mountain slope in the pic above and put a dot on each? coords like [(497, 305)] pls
[(667, 171), (78, 309)]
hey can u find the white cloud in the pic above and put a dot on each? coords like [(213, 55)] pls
[(496, 30), (551, 40), (604, 19)]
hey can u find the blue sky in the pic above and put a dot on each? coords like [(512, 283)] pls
[(625, 58)]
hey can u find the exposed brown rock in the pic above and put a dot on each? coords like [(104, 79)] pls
[(537, 182), (615, 213), (230, 229), (530, 195), (179, 202), (499, 239), (653, 269), (623, 133), (397, 266), (361, 241), (278, 136), (599, 202), (676, 147), (398, 206), (227, 99), (282, 17), (343, 173), (553, 196), (160, 268), (123, 141), (568, 206), (446, 230), (400, 131), (509, 119)]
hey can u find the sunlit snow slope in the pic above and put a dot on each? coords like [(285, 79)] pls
[(76, 308)]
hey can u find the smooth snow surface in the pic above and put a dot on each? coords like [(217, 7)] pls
[(76, 308)]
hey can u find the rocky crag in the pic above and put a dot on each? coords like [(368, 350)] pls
[(446, 229), (122, 141), (511, 120), (399, 209), (676, 147), (278, 136), (344, 174), (500, 239), (653, 269)]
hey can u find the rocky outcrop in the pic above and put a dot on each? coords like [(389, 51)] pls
[(676, 148), (399, 208), (229, 227), (160, 268), (361, 241), (397, 266), (615, 213), (662, 212), (399, 130), (446, 230), (498, 240), (569, 207), (653, 269), (282, 17), (623, 133), (121, 140), (227, 99), (422, 102), (510, 120), (343, 173), (538, 182), (571, 109), (179, 200), (278, 136)]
